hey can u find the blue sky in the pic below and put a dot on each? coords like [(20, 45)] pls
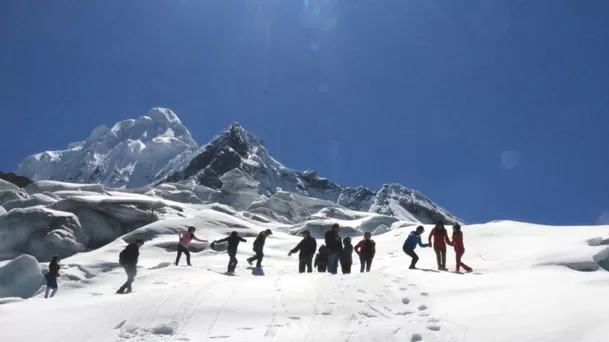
[(493, 109)]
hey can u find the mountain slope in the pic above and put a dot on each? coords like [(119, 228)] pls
[(130, 154), (236, 148)]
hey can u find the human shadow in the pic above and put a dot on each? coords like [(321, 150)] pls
[(256, 271)]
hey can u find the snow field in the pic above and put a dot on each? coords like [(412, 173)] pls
[(526, 287)]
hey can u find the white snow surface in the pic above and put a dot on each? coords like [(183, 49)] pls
[(531, 283)]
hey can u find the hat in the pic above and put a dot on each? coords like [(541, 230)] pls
[(268, 231)]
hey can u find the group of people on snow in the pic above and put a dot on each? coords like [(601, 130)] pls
[(439, 235), (334, 251)]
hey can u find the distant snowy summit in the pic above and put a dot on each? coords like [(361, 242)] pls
[(129, 154), (157, 148)]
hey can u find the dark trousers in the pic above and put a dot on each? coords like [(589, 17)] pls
[(365, 263), (321, 268), (345, 267), (459, 255), (415, 258), (259, 255), (232, 262), (131, 271), (182, 249), (440, 256), (305, 262)]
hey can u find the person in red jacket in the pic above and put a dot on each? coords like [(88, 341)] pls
[(440, 240), (366, 250), (459, 248)]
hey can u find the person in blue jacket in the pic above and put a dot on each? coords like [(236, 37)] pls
[(414, 239)]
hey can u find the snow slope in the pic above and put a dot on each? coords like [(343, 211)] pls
[(532, 283)]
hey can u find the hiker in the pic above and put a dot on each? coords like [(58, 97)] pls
[(346, 256), (258, 247), (440, 240), (185, 239), (233, 243), (414, 239), (459, 248), (52, 276), (321, 259), (335, 247), (307, 247), (128, 259), (366, 250)]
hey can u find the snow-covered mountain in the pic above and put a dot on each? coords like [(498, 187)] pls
[(157, 148), (236, 148), (129, 154)]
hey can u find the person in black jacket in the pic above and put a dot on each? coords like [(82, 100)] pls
[(307, 247), (258, 248), (128, 258), (335, 247), (51, 277), (233, 243), (321, 259), (346, 256)]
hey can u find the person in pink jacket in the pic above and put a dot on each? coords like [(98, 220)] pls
[(185, 239)]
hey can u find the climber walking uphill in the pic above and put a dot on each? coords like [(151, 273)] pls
[(128, 259), (233, 243), (307, 247), (440, 240), (346, 256), (335, 247), (52, 276), (259, 247), (414, 239), (459, 248), (366, 250), (185, 239)]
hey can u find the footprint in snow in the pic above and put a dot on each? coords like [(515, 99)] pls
[(218, 337), (406, 301), (296, 318), (326, 313), (425, 294), (433, 320), (246, 328), (403, 289), (422, 307), (434, 327), (416, 338), (404, 313), (367, 314)]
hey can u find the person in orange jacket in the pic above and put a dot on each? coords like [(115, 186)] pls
[(459, 248), (440, 240)]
